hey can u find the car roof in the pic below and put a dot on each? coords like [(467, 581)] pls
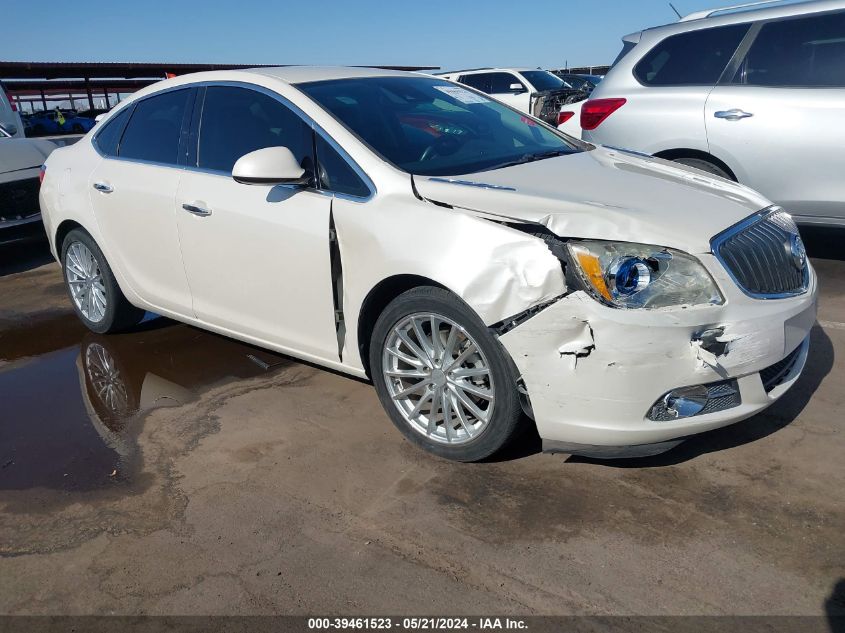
[(739, 13), (303, 74), (475, 71)]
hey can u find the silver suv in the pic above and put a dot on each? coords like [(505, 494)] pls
[(757, 96)]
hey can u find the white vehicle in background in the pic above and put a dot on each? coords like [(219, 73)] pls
[(20, 167), (755, 95), (537, 92), (10, 118)]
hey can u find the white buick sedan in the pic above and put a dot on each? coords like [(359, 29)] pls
[(478, 266)]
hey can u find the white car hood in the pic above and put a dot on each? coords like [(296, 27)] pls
[(604, 194), (23, 153)]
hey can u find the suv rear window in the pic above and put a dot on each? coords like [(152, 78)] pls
[(808, 51), (694, 58)]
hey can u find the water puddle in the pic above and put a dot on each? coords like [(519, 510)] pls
[(72, 402)]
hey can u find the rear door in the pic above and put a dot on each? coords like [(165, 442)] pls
[(665, 103), (133, 192), (779, 121)]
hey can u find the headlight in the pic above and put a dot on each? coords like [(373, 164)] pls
[(624, 275)]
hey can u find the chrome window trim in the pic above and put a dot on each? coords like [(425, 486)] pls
[(285, 102), (720, 238)]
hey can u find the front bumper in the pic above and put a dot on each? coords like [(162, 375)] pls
[(593, 373)]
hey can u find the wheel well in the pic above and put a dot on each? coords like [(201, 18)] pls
[(672, 154), (61, 233), (375, 303)]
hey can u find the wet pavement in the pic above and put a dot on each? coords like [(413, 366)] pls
[(170, 470)]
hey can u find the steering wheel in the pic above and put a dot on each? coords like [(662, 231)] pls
[(442, 146)]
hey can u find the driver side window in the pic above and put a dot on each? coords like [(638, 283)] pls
[(237, 121), (501, 83)]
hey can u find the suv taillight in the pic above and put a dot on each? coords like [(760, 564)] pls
[(11, 102), (42, 172), (594, 111), (563, 117)]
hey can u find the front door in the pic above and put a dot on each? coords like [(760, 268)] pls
[(256, 256)]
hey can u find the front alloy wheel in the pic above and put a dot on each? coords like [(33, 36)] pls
[(443, 377), (438, 378)]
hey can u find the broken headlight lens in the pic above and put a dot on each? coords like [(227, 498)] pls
[(624, 275)]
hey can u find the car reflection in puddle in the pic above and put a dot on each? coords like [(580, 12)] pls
[(71, 402)]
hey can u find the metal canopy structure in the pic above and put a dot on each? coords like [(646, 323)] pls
[(39, 82)]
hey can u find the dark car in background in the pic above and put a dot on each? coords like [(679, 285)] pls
[(57, 122)]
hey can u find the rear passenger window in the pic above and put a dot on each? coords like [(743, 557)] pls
[(154, 129), (694, 58), (807, 51), (108, 138), (336, 174), (237, 121), (480, 81)]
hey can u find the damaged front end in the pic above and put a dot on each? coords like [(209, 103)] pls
[(607, 377), (547, 104)]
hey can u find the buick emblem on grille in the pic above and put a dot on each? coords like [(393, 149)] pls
[(797, 251)]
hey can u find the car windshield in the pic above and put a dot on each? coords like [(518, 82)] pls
[(543, 80), (432, 127)]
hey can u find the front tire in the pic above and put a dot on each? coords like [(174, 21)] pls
[(92, 288), (443, 378)]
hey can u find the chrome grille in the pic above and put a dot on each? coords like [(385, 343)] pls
[(764, 255), (19, 199)]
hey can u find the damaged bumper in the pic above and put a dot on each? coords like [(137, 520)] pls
[(602, 380)]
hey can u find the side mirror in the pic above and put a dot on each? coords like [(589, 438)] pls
[(517, 88), (269, 166)]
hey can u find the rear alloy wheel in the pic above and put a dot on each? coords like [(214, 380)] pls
[(443, 378), (92, 288), (85, 282)]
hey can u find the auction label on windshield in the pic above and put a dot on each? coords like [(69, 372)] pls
[(462, 95)]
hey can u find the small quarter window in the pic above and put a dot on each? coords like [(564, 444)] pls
[(336, 174), (691, 59), (108, 138), (155, 127)]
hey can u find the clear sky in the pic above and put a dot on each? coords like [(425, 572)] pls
[(447, 33)]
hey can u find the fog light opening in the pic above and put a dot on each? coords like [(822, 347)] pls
[(686, 402)]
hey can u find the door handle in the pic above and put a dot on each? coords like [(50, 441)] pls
[(196, 210), (732, 115), (103, 187)]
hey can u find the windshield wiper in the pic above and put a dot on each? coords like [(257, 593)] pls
[(529, 158)]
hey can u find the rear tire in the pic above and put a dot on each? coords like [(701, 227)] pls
[(704, 165), (456, 395), (92, 288)]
